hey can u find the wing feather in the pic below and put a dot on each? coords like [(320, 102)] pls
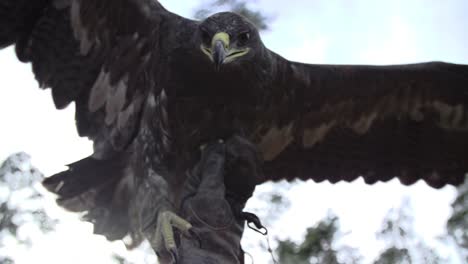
[(105, 57), (378, 122), (102, 55)]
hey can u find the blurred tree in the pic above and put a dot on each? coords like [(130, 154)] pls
[(457, 225), (121, 260), (237, 6), (318, 246), (21, 206), (274, 203), (403, 245), (395, 231), (393, 255), (6, 260)]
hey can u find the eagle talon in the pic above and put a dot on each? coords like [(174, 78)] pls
[(164, 239), (174, 255)]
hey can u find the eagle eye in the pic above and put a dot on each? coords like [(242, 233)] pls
[(243, 38)]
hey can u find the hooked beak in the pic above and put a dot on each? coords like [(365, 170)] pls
[(219, 53)]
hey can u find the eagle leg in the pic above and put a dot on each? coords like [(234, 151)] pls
[(157, 219), (213, 197), (203, 192), (164, 239)]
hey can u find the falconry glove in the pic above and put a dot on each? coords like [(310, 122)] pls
[(209, 205)]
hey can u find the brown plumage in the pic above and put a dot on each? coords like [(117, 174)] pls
[(150, 87), (378, 122)]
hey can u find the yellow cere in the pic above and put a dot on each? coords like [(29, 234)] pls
[(231, 53), (224, 37)]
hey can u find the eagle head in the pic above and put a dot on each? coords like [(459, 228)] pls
[(228, 39)]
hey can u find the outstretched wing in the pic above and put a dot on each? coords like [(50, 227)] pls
[(339, 122), (103, 55)]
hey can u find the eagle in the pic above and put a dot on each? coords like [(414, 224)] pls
[(150, 87)]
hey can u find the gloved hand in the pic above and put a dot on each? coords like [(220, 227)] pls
[(214, 196)]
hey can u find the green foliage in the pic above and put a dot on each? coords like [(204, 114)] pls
[(20, 203), (276, 202), (6, 260), (457, 225), (119, 259), (237, 6), (397, 226), (317, 246), (394, 255), (6, 218), (403, 245)]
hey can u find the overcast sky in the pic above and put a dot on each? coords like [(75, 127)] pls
[(327, 31)]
